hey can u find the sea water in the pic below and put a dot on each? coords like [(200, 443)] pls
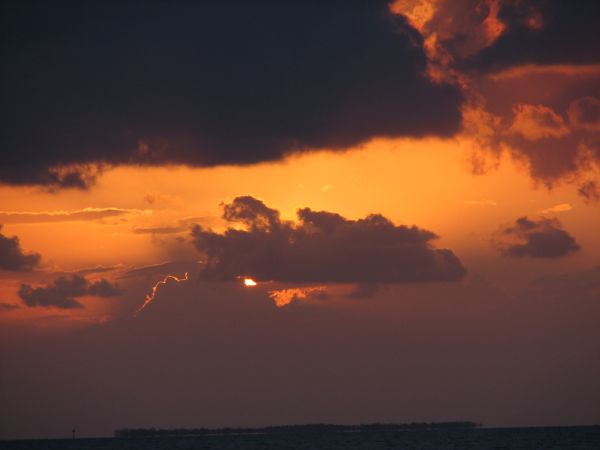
[(554, 438)]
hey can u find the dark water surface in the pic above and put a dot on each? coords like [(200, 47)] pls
[(555, 438)]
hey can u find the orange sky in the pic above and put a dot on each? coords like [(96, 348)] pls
[(393, 177)]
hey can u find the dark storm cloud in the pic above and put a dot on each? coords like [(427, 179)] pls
[(205, 83), (62, 292), (543, 32), (542, 238), (323, 247), (12, 256)]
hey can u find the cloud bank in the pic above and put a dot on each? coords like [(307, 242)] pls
[(530, 74), (323, 247)]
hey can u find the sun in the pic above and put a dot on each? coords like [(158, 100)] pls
[(249, 282)]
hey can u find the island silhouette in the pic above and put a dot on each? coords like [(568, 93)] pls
[(306, 428)]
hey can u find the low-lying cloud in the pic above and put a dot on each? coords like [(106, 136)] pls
[(64, 291), (322, 247), (12, 257), (8, 306), (542, 238)]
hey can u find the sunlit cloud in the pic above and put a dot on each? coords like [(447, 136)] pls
[(152, 295), (283, 297), (501, 54), (556, 69), (562, 207), (535, 122)]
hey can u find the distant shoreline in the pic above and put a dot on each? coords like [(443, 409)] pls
[(307, 428)]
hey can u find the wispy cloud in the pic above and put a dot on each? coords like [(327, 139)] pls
[(63, 216), (482, 202), (562, 207), (158, 230), (8, 306)]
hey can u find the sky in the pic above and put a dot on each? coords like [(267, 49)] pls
[(263, 213)]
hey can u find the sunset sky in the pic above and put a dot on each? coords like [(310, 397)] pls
[(254, 213)]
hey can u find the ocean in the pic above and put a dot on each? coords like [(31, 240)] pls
[(551, 438)]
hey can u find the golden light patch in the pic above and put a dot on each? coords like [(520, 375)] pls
[(284, 297)]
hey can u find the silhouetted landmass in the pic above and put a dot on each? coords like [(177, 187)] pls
[(309, 428)]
